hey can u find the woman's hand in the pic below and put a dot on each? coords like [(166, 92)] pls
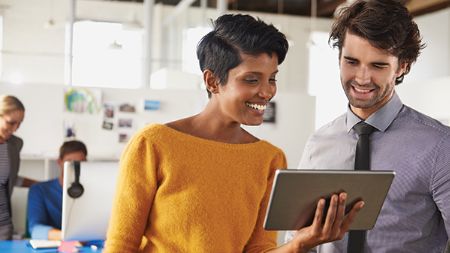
[(335, 226)]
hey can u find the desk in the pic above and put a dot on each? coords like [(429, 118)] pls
[(22, 246)]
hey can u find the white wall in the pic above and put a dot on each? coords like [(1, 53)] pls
[(431, 97), (427, 87), (435, 58)]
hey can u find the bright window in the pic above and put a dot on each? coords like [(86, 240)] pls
[(324, 82), (107, 55), (191, 37)]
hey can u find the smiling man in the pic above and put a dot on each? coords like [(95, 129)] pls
[(378, 41)]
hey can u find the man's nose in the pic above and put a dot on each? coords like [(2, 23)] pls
[(362, 76)]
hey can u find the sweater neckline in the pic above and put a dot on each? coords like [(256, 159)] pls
[(203, 140)]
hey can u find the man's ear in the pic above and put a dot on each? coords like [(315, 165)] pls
[(60, 162), (402, 68), (211, 81)]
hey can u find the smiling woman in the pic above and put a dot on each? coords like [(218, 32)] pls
[(181, 184), (248, 89), (12, 113)]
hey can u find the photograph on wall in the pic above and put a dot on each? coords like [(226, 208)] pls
[(127, 107), (125, 123), (82, 100), (107, 125), (152, 105), (270, 113), (123, 137), (108, 110)]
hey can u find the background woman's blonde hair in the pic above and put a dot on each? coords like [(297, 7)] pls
[(9, 104)]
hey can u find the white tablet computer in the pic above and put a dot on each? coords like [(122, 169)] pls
[(295, 194)]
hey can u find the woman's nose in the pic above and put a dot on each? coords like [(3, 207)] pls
[(267, 91)]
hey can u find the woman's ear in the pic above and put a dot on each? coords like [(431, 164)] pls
[(211, 81)]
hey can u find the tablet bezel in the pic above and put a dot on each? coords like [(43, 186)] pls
[(295, 194)]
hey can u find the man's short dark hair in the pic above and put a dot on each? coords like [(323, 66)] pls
[(219, 50), (386, 24), (71, 147)]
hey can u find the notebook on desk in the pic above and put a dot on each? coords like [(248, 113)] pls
[(295, 194)]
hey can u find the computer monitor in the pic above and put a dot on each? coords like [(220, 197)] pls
[(88, 191)]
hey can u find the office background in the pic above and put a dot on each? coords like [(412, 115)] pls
[(107, 60)]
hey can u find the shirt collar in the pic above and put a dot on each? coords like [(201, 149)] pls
[(381, 119)]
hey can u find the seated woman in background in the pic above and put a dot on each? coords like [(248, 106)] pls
[(12, 113), (202, 183), (45, 199)]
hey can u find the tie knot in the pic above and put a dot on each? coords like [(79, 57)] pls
[(363, 128)]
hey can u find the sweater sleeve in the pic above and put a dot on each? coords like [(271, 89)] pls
[(36, 214), (262, 240), (136, 187)]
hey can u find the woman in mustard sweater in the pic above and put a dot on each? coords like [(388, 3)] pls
[(201, 184)]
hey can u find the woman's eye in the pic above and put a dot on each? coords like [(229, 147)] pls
[(251, 80)]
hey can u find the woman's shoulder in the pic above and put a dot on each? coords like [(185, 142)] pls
[(156, 132), (269, 147), (16, 141), (152, 131)]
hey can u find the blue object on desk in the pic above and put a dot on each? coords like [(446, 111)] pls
[(22, 246)]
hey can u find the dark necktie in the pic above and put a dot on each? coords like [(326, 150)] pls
[(356, 238)]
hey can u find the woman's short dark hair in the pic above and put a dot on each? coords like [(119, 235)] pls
[(233, 34), (386, 24), (71, 147)]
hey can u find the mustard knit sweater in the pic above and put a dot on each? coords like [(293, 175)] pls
[(180, 193)]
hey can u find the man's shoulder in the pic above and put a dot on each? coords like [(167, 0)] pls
[(421, 121), (336, 126), (41, 186)]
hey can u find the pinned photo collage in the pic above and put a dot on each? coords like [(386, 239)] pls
[(119, 117)]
